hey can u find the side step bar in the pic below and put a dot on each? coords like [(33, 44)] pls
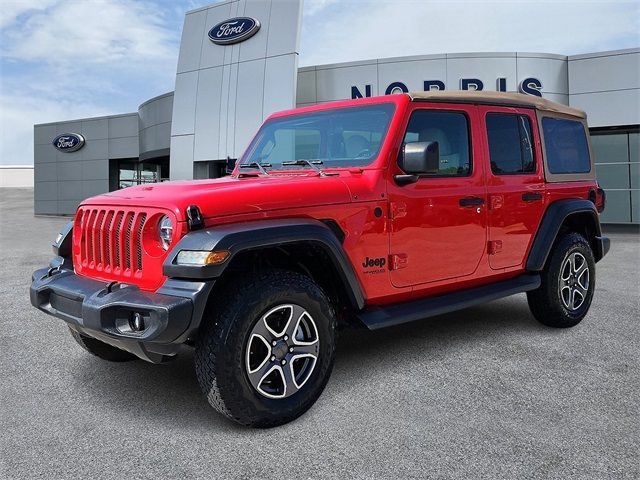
[(386, 316)]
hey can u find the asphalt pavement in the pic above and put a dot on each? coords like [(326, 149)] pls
[(482, 393)]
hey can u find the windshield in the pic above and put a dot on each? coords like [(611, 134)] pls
[(344, 137)]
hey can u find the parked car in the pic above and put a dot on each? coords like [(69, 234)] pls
[(377, 211)]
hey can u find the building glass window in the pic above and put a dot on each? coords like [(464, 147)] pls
[(130, 172), (451, 131), (510, 146), (617, 161)]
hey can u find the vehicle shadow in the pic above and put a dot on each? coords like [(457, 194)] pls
[(170, 392)]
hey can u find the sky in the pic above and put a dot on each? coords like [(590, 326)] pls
[(66, 59)]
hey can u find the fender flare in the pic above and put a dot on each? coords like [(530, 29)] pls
[(241, 237), (554, 217)]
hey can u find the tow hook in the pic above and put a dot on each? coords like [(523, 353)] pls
[(111, 286), (53, 271)]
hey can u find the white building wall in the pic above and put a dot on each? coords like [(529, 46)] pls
[(16, 176), (607, 86), (324, 83), (223, 93)]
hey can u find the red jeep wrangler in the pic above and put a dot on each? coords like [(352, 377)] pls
[(379, 211)]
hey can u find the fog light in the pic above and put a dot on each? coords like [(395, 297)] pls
[(136, 322), (198, 257)]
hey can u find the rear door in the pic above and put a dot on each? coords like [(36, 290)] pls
[(515, 183)]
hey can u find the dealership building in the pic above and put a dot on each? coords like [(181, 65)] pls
[(238, 63)]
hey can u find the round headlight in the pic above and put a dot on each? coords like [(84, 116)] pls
[(165, 231)]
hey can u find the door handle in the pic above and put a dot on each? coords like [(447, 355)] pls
[(471, 201), (531, 197)]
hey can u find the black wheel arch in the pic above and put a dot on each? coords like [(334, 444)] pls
[(562, 216), (308, 245)]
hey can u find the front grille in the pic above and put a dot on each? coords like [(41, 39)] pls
[(111, 240)]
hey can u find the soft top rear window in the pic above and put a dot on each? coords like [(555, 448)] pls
[(567, 150)]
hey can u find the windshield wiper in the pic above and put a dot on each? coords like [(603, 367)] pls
[(303, 161), (259, 165)]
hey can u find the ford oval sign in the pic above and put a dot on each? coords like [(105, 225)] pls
[(68, 142), (234, 30)]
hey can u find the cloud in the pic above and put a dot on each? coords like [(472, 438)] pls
[(65, 59), (70, 33), (365, 29), (313, 7), (12, 9)]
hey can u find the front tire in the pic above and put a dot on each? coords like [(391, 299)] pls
[(266, 351), (568, 282)]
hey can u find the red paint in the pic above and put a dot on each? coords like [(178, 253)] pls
[(432, 244)]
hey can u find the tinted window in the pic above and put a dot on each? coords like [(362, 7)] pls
[(342, 137), (510, 144), (566, 146), (451, 131)]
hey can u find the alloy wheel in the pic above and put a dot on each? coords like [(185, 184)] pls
[(574, 281), (282, 351)]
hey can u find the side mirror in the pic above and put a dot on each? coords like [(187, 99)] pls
[(231, 164), (420, 158)]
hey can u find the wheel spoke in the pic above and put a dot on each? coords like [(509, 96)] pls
[(575, 303), (582, 268), (574, 262), (257, 377), (262, 329), (304, 376), (255, 337), (307, 348), (289, 379), (571, 299), (278, 332), (583, 279), (297, 314), (566, 270), (566, 293)]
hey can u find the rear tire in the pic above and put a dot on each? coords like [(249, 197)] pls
[(568, 282), (101, 349), (252, 327)]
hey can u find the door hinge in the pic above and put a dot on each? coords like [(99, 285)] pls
[(398, 261), (496, 202), (495, 246), (397, 209)]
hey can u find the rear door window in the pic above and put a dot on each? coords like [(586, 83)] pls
[(567, 150), (510, 144)]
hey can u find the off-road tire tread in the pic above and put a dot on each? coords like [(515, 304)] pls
[(544, 302), (101, 349), (221, 323)]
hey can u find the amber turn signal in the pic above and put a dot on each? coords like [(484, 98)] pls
[(199, 257)]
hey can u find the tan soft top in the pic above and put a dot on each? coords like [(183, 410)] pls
[(497, 98)]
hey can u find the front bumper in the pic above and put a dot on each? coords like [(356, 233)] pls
[(102, 311)]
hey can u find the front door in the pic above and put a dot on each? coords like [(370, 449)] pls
[(515, 183), (438, 224)]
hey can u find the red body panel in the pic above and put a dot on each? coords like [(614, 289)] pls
[(432, 245)]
